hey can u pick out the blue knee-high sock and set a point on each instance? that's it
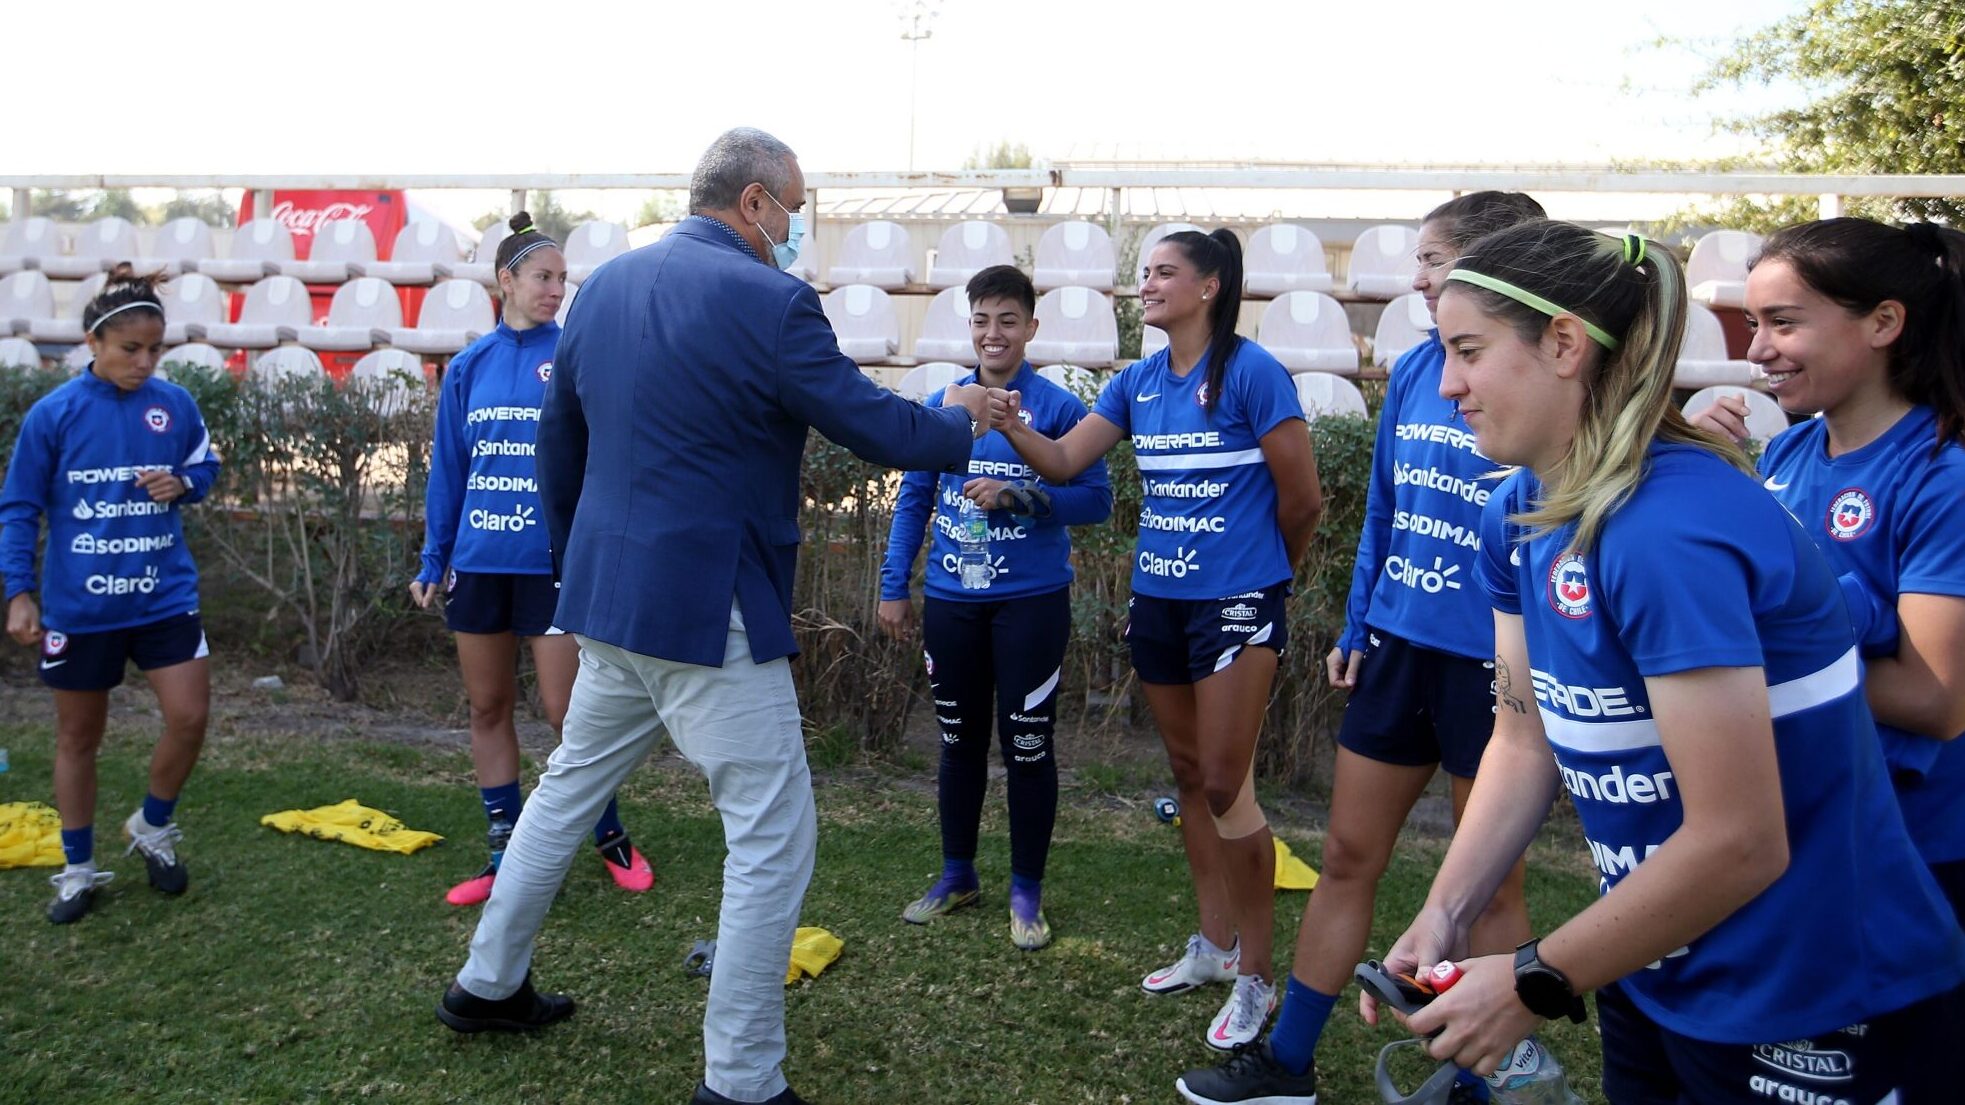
(78, 846)
(502, 803)
(157, 811)
(609, 824)
(1294, 1039)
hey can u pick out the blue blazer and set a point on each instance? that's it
(674, 425)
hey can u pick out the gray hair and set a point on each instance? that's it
(737, 158)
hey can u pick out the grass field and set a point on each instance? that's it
(302, 971)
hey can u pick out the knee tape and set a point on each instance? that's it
(1244, 818)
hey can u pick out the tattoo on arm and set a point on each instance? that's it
(1504, 686)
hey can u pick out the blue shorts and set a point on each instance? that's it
(1907, 1052)
(96, 661)
(500, 602)
(1416, 706)
(1181, 641)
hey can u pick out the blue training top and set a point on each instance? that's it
(115, 557)
(1028, 555)
(1701, 569)
(1892, 514)
(1414, 575)
(481, 512)
(1207, 519)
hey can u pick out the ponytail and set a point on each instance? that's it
(124, 296)
(1218, 255)
(522, 241)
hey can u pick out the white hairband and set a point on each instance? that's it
(513, 264)
(157, 307)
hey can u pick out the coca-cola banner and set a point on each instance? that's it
(302, 212)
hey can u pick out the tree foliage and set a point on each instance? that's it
(555, 221)
(1003, 155)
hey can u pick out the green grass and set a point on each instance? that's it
(302, 971)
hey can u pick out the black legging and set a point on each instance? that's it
(1015, 648)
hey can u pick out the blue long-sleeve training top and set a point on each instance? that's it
(481, 511)
(1028, 555)
(115, 558)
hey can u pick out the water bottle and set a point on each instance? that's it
(3, 761)
(1531, 1076)
(972, 546)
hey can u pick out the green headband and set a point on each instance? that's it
(1530, 299)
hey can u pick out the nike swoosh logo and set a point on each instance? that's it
(1146, 398)
(1772, 486)
(46, 664)
(1515, 556)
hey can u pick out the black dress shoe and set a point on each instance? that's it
(706, 1096)
(525, 1010)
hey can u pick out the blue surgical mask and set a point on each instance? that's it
(785, 253)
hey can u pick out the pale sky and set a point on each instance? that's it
(218, 86)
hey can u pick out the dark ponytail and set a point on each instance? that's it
(125, 296)
(1859, 264)
(523, 239)
(1219, 255)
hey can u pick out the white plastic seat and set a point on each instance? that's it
(879, 253)
(361, 316)
(1403, 324)
(1283, 258)
(26, 242)
(1081, 382)
(945, 329)
(807, 267)
(1152, 239)
(1702, 360)
(342, 251)
(1765, 418)
(423, 253)
(1323, 394)
(923, 380)
(18, 353)
(99, 247)
(258, 250)
(285, 362)
(592, 245)
(192, 305)
(483, 265)
(1383, 262)
(66, 329)
(863, 319)
(1307, 332)
(25, 298)
(566, 302)
(965, 250)
(390, 378)
(180, 245)
(1073, 254)
(1075, 326)
(454, 314)
(1152, 339)
(276, 310)
(194, 354)
(1716, 271)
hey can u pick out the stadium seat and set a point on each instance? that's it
(25, 298)
(259, 248)
(1702, 360)
(807, 267)
(1076, 326)
(180, 245)
(566, 303)
(454, 314)
(863, 318)
(1074, 254)
(342, 251)
(1404, 323)
(192, 305)
(945, 329)
(1284, 258)
(284, 362)
(424, 252)
(1383, 263)
(1152, 339)
(276, 310)
(26, 242)
(482, 267)
(1081, 382)
(1765, 418)
(361, 316)
(67, 329)
(19, 353)
(591, 245)
(1308, 332)
(391, 378)
(1717, 269)
(965, 250)
(921, 381)
(196, 355)
(99, 247)
(1152, 239)
(879, 253)
(1323, 394)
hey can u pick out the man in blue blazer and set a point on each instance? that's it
(669, 448)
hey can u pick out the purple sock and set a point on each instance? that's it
(1026, 897)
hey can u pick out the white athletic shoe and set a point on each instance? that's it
(1243, 1014)
(1195, 969)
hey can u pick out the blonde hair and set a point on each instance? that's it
(1633, 290)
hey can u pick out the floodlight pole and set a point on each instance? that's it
(917, 19)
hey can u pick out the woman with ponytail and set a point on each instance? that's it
(486, 543)
(1865, 324)
(1671, 650)
(1229, 502)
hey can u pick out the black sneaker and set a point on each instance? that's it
(75, 893)
(159, 848)
(1251, 1074)
(524, 1011)
(706, 1096)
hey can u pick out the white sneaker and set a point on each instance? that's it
(159, 849)
(75, 892)
(1243, 1014)
(1195, 969)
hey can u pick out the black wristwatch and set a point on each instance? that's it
(1543, 989)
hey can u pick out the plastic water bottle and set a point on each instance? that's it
(972, 546)
(1531, 1076)
(3, 761)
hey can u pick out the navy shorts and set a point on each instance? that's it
(1180, 641)
(96, 661)
(1901, 1057)
(1416, 706)
(500, 602)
